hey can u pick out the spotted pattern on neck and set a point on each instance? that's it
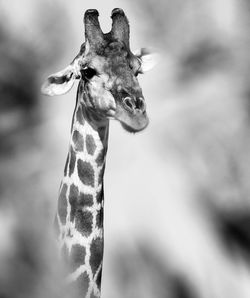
(79, 216)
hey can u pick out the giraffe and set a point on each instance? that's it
(108, 89)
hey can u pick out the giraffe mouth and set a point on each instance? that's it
(133, 129)
(131, 122)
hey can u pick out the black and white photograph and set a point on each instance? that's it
(125, 149)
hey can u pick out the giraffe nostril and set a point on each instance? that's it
(129, 104)
(140, 104)
(134, 105)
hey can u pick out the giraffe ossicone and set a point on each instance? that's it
(108, 88)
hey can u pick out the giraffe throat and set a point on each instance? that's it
(80, 205)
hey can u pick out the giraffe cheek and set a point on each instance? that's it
(109, 101)
(103, 100)
(94, 93)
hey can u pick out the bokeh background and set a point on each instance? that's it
(177, 197)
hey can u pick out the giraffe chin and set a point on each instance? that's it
(134, 129)
(133, 123)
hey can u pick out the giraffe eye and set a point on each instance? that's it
(88, 73)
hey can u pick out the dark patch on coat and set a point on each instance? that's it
(103, 134)
(96, 254)
(62, 204)
(100, 158)
(78, 141)
(77, 256)
(79, 116)
(86, 173)
(99, 218)
(78, 201)
(85, 200)
(84, 222)
(90, 144)
(72, 161)
(73, 196)
(100, 196)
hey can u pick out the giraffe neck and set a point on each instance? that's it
(80, 204)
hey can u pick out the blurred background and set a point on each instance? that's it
(177, 195)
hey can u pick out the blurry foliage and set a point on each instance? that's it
(142, 274)
(25, 52)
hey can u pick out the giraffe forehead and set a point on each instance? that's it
(114, 63)
(122, 75)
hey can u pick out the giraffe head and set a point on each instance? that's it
(107, 70)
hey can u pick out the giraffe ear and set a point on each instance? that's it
(62, 81)
(147, 58)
